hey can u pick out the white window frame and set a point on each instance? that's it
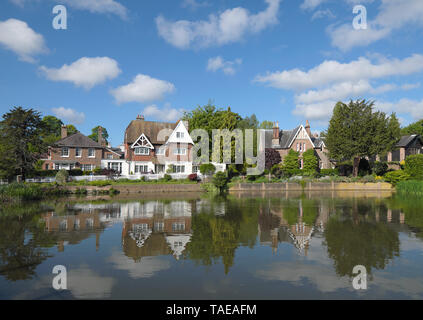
(179, 135)
(180, 151)
(161, 151)
(89, 151)
(145, 153)
(76, 152)
(63, 155)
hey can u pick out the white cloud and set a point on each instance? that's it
(85, 72)
(393, 15)
(333, 71)
(218, 63)
(71, 116)
(228, 27)
(311, 4)
(98, 6)
(142, 89)
(18, 37)
(410, 86)
(166, 114)
(322, 14)
(86, 284)
(403, 106)
(194, 4)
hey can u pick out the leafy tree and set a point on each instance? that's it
(71, 129)
(266, 125)
(249, 122)
(94, 134)
(355, 132)
(414, 128)
(62, 177)
(52, 129)
(414, 166)
(21, 144)
(310, 162)
(220, 181)
(291, 161)
(207, 169)
(272, 158)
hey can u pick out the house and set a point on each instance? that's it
(299, 139)
(77, 151)
(407, 146)
(158, 147)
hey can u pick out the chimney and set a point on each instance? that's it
(64, 132)
(100, 136)
(140, 117)
(307, 127)
(275, 140)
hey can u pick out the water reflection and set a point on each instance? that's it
(337, 233)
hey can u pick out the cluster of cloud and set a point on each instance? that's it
(93, 6)
(70, 115)
(85, 72)
(320, 88)
(392, 15)
(218, 63)
(143, 88)
(165, 114)
(17, 36)
(229, 26)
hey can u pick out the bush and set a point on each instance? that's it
(345, 168)
(329, 172)
(412, 187)
(167, 177)
(368, 178)
(193, 177)
(311, 163)
(62, 177)
(277, 171)
(395, 177)
(220, 181)
(380, 168)
(100, 183)
(414, 166)
(208, 169)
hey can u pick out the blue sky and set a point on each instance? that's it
(284, 60)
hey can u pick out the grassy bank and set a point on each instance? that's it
(127, 182)
(410, 188)
(28, 192)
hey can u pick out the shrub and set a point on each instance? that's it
(345, 168)
(220, 181)
(272, 157)
(329, 172)
(170, 169)
(368, 178)
(277, 171)
(395, 177)
(76, 172)
(414, 166)
(311, 162)
(62, 177)
(193, 177)
(208, 169)
(100, 183)
(380, 168)
(412, 187)
(167, 177)
(291, 161)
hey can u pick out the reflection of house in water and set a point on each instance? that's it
(72, 229)
(275, 225)
(156, 228)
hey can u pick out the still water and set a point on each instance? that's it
(270, 246)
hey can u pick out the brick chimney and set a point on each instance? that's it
(275, 140)
(64, 132)
(100, 136)
(307, 127)
(140, 117)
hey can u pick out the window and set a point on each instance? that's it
(180, 151)
(57, 167)
(116, 166)
(178, 169)
(65, 152)
(195, 169)
(161, 151)
(298, 147)
(86, 167)
(142, 151)
(159, 226)
(110, 156)
(141, 169)
(179, 135)
(304, 147)
(178, 226)
(91, 153)
(78, 152)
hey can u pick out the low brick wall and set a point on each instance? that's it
(312, 186)
(142, 188)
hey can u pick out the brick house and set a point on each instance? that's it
(407, 146)
(77, 151)
(154, 147)
(299, 139)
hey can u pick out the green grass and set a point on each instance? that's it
(410, 188)
(28, 191)
(127, 182)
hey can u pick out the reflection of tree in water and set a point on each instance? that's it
(23, 244)
(412, 207)
(359, 242)
(216, 237)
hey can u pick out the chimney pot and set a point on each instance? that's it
(64, 132)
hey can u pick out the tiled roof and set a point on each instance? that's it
(78, 140)
(406, 140)
(151, 130)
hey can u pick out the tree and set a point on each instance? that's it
(21, 144)
(207, 169)
(310, 162)
(272, 158)
(355, 132)
(71, 129)
(52, 129)
(94, 134)
(414, 128)
(220, 181)
(291, 161)
(266, 125)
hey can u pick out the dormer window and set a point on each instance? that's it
(139, 151)
(179, 135)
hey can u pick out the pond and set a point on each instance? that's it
(265, 246)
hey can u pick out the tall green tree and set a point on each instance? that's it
(71, 129)
(52, 129)
(20, 140)
(414, 128)
(291, 161)
(357, 131)
(94, 134)
(266, 125)
(310, 162)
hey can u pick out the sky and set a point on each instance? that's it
(282, 60)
